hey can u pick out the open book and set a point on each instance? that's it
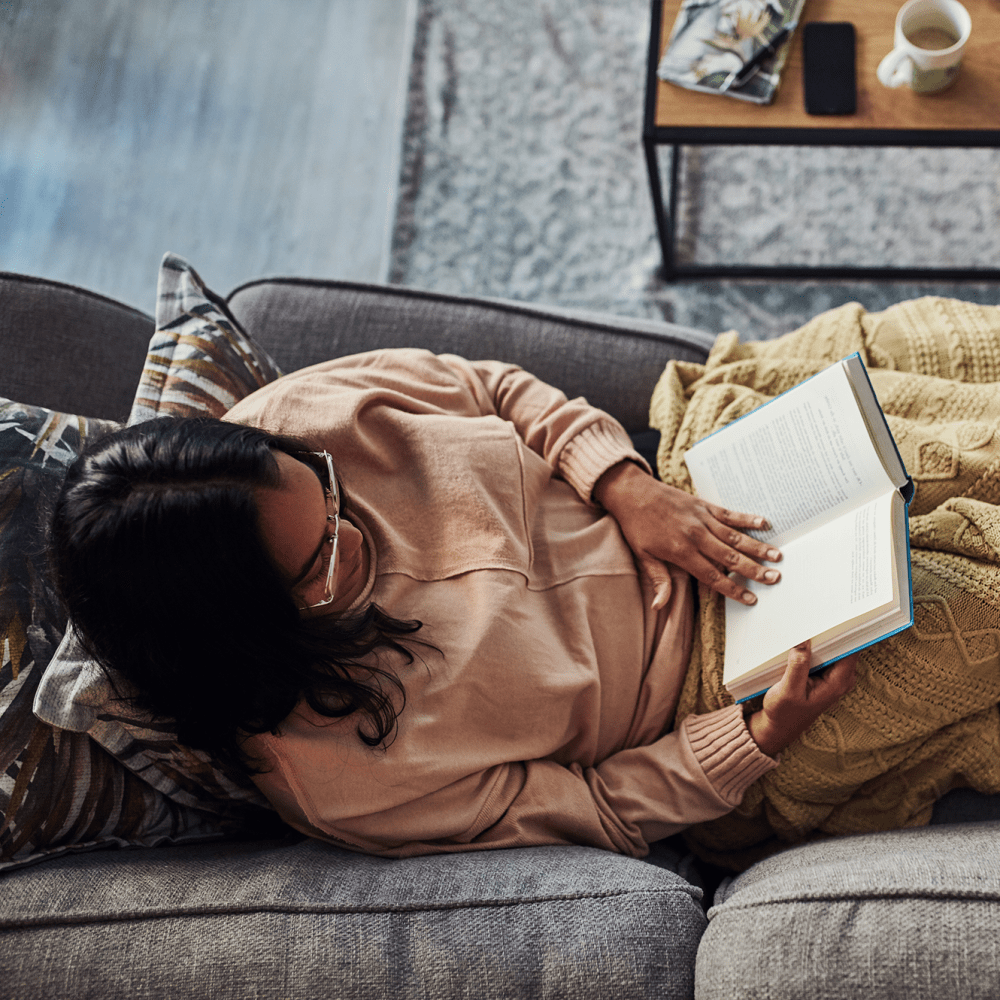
(819, 462)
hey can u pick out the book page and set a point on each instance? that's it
(874, 419)
(842, 571)
(800, 459)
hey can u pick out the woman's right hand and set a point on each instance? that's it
(793, 704)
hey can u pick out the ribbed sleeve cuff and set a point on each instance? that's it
(592, 452)
(724, 747)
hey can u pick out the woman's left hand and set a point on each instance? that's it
(793, 704)
(664, 524)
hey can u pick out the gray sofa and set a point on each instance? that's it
(911, 914)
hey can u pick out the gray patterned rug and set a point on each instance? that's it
(524, 178)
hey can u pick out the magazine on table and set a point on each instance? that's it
(820, 462)
(733, 47)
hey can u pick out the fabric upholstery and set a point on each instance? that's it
(274, 920)
(911, 913)
(58, 790)
(875, 916)
(68, 349)
(613, 361)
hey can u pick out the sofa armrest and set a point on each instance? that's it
(613, 361)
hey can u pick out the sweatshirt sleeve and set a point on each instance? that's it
(623, 804)
(578, 440)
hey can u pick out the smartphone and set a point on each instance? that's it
(828, 56)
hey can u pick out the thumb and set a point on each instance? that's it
(659, 577)
(799, 664)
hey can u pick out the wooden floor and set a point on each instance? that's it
(254, 137)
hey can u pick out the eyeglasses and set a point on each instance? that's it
(332, 493)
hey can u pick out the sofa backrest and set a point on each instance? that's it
(69, 349)
(78, 352)
(613, 361)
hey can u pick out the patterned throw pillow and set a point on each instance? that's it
(59, 791)
(200, 362)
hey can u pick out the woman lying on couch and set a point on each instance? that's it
(265, 588)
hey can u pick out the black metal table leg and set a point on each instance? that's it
(665, 223)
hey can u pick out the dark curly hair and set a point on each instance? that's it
(158, 558)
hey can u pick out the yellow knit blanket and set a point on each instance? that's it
(923, 716)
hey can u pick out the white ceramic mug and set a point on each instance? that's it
(930, 39)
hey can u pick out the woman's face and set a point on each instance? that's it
(295, 530)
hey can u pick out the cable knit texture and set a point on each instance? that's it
(923, 716)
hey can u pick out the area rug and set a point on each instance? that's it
(523, 178)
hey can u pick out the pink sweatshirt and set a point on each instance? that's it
(546, 720)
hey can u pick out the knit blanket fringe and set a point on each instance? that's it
(922, 718)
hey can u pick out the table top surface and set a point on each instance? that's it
(972, 103)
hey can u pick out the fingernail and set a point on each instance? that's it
(762, 524)
(771, 575)
(748, 598)
(773, 554)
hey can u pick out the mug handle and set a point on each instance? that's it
(891, 71)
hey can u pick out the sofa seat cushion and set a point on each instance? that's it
(910, 913)
(301, 919)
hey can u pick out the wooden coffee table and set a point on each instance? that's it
(967, 114)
